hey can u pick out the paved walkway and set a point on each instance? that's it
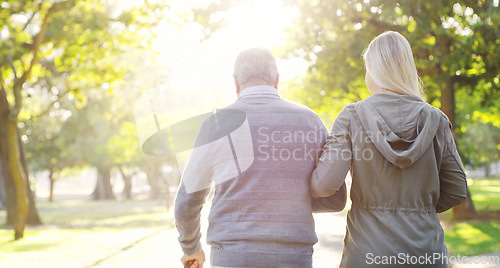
(162, 249)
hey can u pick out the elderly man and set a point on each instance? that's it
(260, 152)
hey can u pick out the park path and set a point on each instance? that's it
(162, 250)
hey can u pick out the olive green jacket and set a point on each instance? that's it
(405, 169)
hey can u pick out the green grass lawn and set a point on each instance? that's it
(110, 213)
(482, 236)
(79, 233)
(70, 247)
(475, 238)
(485, 194)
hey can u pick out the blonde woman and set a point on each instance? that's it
(403, 161)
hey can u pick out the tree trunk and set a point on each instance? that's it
(487, 170)
(51, 189)
(127, 185)
(465, 210)
(33, 218)
(3, 201)
(10, 195)
(448, 101)
(103, 188)
(153, 190)
(19, 180)
(159, 186)
(19, 195)
(10, 198)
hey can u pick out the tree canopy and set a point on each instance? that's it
(71, 70)
(55, 58)
(455, 45)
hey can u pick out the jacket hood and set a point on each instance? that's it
(401, 127)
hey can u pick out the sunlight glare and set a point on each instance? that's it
(258, 25)
(200, 69)
(206, 66)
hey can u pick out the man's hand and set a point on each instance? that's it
(198, 258)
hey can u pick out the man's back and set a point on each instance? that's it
(262, 216)
(260, 152)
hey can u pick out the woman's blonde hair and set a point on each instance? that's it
(389, 61)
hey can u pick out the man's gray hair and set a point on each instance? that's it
(255, 63)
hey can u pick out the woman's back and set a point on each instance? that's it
(404, 165)
(398, 143)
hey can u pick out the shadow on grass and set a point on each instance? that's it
(32, 246)
(8, 243)
(473, 238)
(476, 236)
(87, 214)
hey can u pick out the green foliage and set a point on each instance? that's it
(77, 102)
(446, 37)
(479, 144)
(205, 16)
(478, 134)
(455, 45)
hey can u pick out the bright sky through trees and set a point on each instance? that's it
(207, 65)
(200, 68)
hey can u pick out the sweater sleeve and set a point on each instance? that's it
(192, 192)
(187, 218)
(335, 161)
(452, 179)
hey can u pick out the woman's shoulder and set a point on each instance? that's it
(368, 105)
(444, 121)
(443, 117)
(350, 107)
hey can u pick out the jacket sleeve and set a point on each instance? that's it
(333, 203)
(335, 161)
(452, 179)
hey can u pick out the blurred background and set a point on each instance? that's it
(75, 187)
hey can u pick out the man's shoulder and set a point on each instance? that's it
(235, 105)
(279, 105)
(306, 112)
(299, 107)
